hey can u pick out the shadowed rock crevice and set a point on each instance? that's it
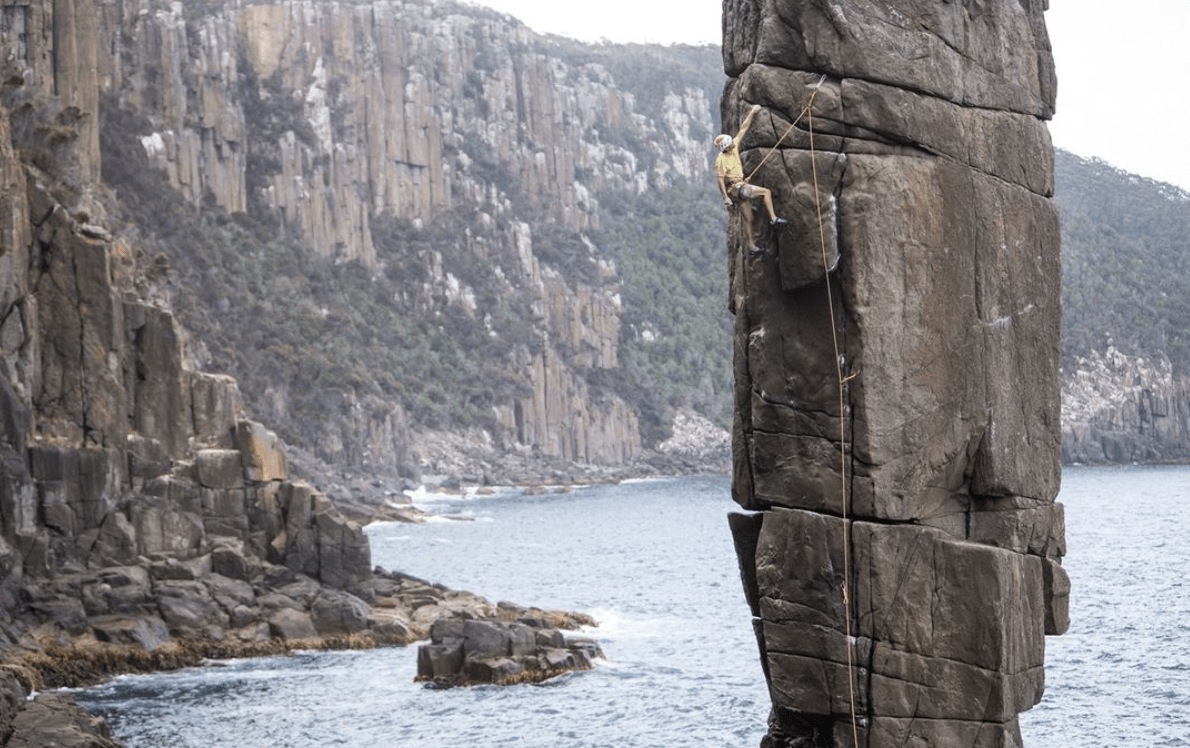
(934, 173)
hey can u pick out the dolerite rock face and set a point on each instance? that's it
(1118, 408)
(139, 507)
(52, 719)
(897, 413)
(331, 119)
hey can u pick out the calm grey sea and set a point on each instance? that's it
(1121, 675)
(653, 561)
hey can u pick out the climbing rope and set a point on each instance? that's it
(804, 113)
(842, 380)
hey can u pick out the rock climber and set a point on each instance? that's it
(732, 184)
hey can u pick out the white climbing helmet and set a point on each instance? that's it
(723, 142)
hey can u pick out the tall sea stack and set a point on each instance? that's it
(897, 432)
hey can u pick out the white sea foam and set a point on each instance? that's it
(424, 495)
(458, 519)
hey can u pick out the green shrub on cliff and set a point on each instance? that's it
(675, 332)
(297, 329)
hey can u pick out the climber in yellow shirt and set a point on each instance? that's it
(732, 184)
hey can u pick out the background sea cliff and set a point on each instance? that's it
(426, 240)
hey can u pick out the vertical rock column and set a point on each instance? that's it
(897, 431)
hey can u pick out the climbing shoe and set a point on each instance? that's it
(778, 223)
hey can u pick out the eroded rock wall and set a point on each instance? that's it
(326, 116)
(1118, 408)
(145, 521)
(897, 366)
(132, 487)
(329, 114)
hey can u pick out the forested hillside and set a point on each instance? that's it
(1125, 262)
(1126, 316)
(676, 336)
(268, 309)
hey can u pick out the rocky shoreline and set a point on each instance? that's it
(451, 462)
(499, 643)
(149, 523)
(233, 553)
(287, 577)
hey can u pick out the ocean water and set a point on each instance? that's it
(1121, 674)
(653, 562)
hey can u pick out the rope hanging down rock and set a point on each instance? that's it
(842, 380)
(804, 113)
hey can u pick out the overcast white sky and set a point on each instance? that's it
(1122, 94)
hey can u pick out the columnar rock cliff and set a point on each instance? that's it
(328, 119)
(138, 502)
(145, 521)
(392, 104)
(1118, 408)
(897, 429)
(331, 114)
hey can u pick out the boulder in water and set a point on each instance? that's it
(466, 652)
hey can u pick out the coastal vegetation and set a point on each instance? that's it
(268, 309)
(1125, 263)
(676, 336)
(307, 333)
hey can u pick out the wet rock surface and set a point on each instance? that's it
(898, 368)
(47, 720)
